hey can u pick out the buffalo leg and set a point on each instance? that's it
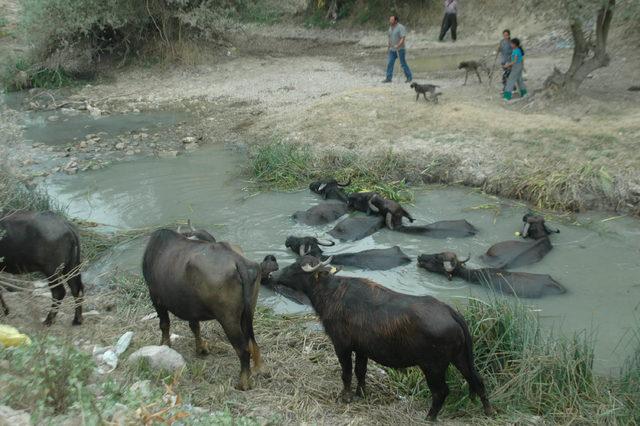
(77, 290)
(478, 74)
(361, 374)
(476, 384)
(255, 355)
(4, 305)
(435, 376)
(417, 96)
(344, 356)
(165, 324)
(57, 293)
(201, 345)
(240, 343)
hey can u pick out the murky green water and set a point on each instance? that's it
(598, 263)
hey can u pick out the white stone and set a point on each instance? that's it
(11, 417)
(159, 357)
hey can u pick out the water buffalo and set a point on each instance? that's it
(357, 228)
(199, 281)
(518, 284)
(322, 214)
(374, 259)
(43, 242)
(330, 189)
(442, 229)
(391, 211)
(511, 254)
(268, 266)
(361, 201)
(393, 329)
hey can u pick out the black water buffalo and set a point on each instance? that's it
(373, 259)
(361, 201)
(357, 228)
(43, 242)
(519, 284)
(393, 329)
(322, 214)
(442, 229)
(307, 245)
(391, 211)
(199, 281)
(330, 189)
(511, 254)
(268, 266)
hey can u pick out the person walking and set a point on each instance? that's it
(450, 20)
(516, 67)
(396, 49)
(505, 50)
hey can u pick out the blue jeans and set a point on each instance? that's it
(392, 61)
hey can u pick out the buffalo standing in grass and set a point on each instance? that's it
(43, 242)
(393, 329)
(520, 284)
(200, 280)
(511, 254)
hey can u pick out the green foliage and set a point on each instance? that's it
(528, 371)
(14, 195)
(288, 166)
(46, 377)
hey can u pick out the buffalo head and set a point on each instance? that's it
(535, 227)
(195, 234)
(446, 263)
(307, 245)
(268, 266)
(303, 273)
(322, 186)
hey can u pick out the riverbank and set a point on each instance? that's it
(320, 90)
(532, 378)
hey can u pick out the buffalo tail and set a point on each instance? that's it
(475, 381)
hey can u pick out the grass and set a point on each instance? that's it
(19, 74)
(285, 166)
(533, 373)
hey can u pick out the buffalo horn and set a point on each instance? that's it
(462, 262)
(304, 250)
(190, 225)
(321, 187)
(525, 229)
(326, 262)
(372, 207)
(179, 231)
(325, 243)
(309, 268)
(345, 184)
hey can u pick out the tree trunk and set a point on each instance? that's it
(587, 56)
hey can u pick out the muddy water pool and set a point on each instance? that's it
(598, 261)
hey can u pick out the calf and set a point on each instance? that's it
(393, 329)
(43, 242)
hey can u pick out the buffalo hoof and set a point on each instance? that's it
(47, 322)
(202, 348)
(243, 385)
(361, 393)
(346, 396)
(77, 321)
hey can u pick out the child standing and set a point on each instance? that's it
(505, 50)
(516, 67)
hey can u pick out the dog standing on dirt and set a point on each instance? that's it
(422, 89)
(474, 66)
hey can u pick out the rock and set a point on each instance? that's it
(120, 146)
(53, 118)
(11, 417)
(168, 154)
(129, 152)
(83, 145)
(191, 146)
(189, 139)
(159, 357)
(50, 149)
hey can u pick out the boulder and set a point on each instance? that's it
(11, 417)
(159, 357)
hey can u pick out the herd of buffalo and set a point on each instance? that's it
(196, 278)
